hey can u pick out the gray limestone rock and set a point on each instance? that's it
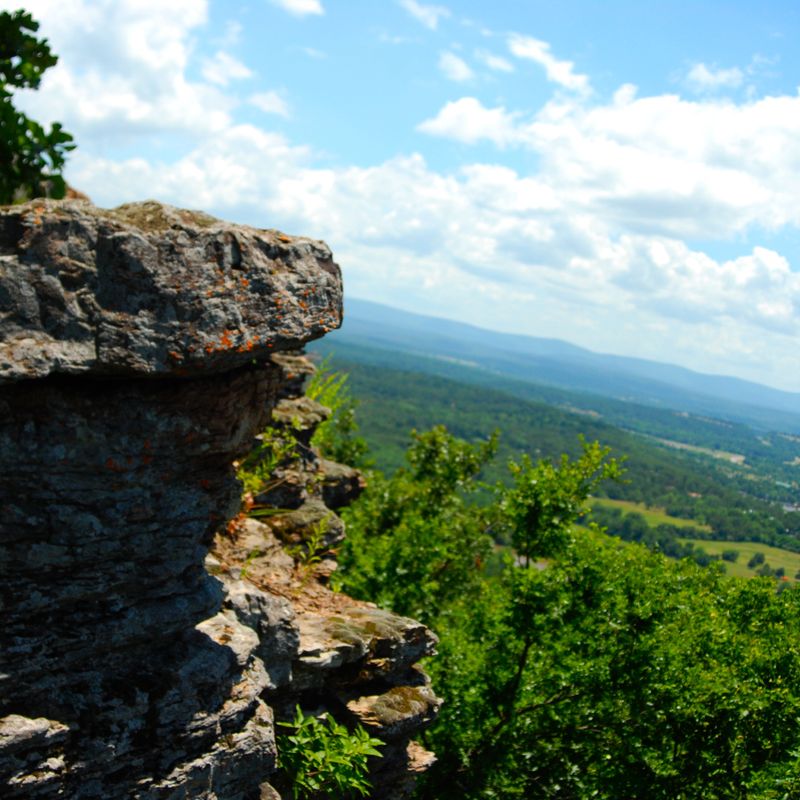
(140, 354)
(147, 289)
(134, 370)
(376, 643)
(273, 618)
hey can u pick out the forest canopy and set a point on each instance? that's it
(573, 664)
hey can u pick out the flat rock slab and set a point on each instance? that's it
(386, 642)
(397, 713)
(147, 289)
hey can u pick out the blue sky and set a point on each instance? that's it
(620, 175)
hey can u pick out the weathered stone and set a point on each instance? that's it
(295, 369)
(273, 619)
(301, 415)
(137, 363)
(249, 549)
(133, 357)
(341, 484)
(312, 522)
(377, 643)
(146, 289)
(396, 713)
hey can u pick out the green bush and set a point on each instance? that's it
(578, 666)
(322, 758)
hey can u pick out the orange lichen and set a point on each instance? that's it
(232, 528)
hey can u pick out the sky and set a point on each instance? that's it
(621, 175)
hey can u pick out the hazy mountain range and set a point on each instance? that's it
(554, 362)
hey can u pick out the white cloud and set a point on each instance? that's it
(453, 67)
(270, 102)
(222, 68)
(701, 78)
(560, 72)
(494, 62)
(300, 8)
(468, 120)
(655, 164)
(122, 70)
(429, 16)
(598, 243)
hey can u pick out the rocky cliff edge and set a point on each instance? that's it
(141, 351)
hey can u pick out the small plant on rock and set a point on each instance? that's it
(256, 470)
(337, 438)
(322, 758)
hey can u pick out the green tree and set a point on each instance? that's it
(616, 673)
(31, 158)
(547, 498)
(417, 541)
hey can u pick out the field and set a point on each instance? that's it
(734, 458)
(653, 516)
(775, 557)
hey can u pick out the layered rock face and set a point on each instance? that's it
(136, 365)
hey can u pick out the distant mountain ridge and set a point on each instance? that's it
(558, 363)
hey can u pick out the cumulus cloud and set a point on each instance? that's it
(658, 164)
(453, 67)
(123, 69)
(222, 68)
(468, 120)
(701, 78)
(429, 16)
(557, 71)
(300, 8)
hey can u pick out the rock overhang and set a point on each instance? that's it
(148, 290)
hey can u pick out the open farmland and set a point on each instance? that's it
(774, 556)
(653, 516)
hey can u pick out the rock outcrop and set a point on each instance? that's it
(137, 363)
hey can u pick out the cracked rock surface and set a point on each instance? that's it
(337, 655)
(134, 369)
(141, 351)
(147, 289)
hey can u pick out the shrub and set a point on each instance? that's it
(324, 759)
